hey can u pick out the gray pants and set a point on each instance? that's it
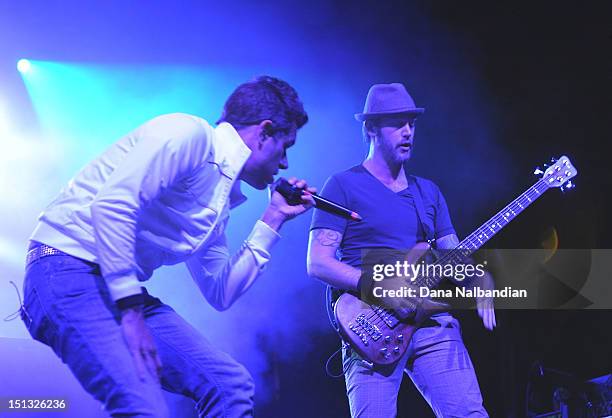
(438, 364)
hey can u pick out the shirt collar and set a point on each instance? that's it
(231, 153)
(236, 197)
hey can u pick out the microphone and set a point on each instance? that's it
(293, 196)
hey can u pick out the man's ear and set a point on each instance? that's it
(371, 129)
(265, 129)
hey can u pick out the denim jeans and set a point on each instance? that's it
(438, 364)
(67, 307)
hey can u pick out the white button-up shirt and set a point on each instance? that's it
(159, 196)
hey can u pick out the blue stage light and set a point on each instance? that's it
(23, 65)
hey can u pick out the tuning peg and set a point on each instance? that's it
(553, 160)
(567, 186)
(538, 171)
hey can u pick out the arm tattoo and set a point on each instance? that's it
(327, 237)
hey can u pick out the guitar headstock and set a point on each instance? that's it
(559, 173)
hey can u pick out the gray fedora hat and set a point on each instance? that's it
(387, 99)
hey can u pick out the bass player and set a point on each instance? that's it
(379, 190)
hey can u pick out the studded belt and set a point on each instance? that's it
(39, 251)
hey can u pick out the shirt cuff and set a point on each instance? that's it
(123, 286)
(263, 236)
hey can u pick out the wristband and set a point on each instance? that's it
(365, 284)
(131, 301)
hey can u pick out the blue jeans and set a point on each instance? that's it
(438, 364)
(67, 307)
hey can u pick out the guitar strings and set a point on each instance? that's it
(522, 201)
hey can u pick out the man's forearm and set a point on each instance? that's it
(223, 278)
(336, 273)
(322, 263)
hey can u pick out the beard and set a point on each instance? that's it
(394, 154)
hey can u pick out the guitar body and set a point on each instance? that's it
(377, 334)
(384, 345)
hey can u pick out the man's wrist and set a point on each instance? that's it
(273, 219)
(132, 314)
(365, 284)
(132, 302)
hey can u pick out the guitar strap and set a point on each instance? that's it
(417, 196)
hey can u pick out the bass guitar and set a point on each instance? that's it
(381, 335)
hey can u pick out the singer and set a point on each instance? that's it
(387, 198)
(161, 195)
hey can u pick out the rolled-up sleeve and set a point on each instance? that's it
(222, 278)
(164, 150)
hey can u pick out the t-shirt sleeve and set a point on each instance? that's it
(443, 224)
(332, 190)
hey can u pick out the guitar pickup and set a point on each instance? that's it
(388, 318)
(372, 330)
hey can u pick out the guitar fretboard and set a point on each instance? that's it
(485, 232)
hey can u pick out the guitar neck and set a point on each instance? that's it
(502, 218)
(486, 231)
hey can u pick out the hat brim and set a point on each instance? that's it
(373, 115)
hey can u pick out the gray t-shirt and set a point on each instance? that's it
(390, 219)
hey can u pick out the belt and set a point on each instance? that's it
(39, 251)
